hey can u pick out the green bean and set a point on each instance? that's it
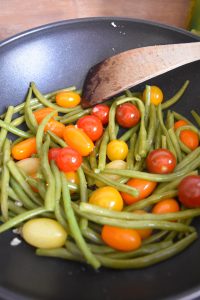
(119, 186)
(83, 195)
(152, 126)
(156, 237)
(18, 121)
(154, 198)
(75, 117)
(164, 187)
(47, 103)
(38, 185)
(164, 130)
(21, 218)
(128, 133)
(93, 155)
(175, 144)
(150, 259)
(27, 202)
(171, 236)
(130, 156)
(40, 131)
(178, 132)
(102, 150)
(100, 211)
(15, 209)
(155, 177)
(144, 250)
(111, 124)
(164, 142)
(49, 201)
(176, 97)
(15, 172)
(29, 116)
(188, 159)
(170, 120)
(74, 229)
(147, 103)
(59, 253)
(158, 137)
(196, 116)
(178, 117)
(139, 165)
(5, 177)
(56, 139)
(15, 130)
(100, 249)
(91, 235)
(69, 114)
(154, 224)
(7, 120)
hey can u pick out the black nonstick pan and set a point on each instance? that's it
(59, 55)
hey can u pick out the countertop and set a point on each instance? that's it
(17, 15)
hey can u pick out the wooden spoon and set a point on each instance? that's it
(129, 68)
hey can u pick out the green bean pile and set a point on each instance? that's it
(82, 220)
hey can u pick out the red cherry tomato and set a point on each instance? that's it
(92, 126)
(127, 115)
(53, 153)
(160, 161)
(101, 111)
(68, 160)
(189, 191)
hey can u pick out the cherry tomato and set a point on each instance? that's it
(190, 139)
(78, 140)
(146, 232)
(160, 161)
(72, 177)
(107, 197)
(68, 159)
(24, 149)
(101, 111)
(40, 114)
(156, 95)
(68, 99)
(144, 187)
(180, 123)
(56, 127)
(189, 191)
(127, 115)
(53, 153)
(121, 238)
(117, 150)
(92, 126)
(166, 206)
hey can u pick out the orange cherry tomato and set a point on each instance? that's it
(72, 177)
(180, 123)
(56, 127)
(146, 232)
(145, 188)
(190, 139)
(24, 149)
(156, 95)
(166, 206)
(107, 197)
(78, 140)
(40, 114)
(121, 238)
(68, 99)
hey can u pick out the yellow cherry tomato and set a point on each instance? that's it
(156, 95)
(68, 99)
(117, 150)
(72, 177)
(107, 197)
(44, 233)
(77, 139)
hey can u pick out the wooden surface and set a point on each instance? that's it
(19, 15)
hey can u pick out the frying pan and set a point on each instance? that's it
(59, 55)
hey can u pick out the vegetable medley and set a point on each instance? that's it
(115, 185)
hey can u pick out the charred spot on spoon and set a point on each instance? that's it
(92, 81)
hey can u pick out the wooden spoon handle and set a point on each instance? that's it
(132, 67)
